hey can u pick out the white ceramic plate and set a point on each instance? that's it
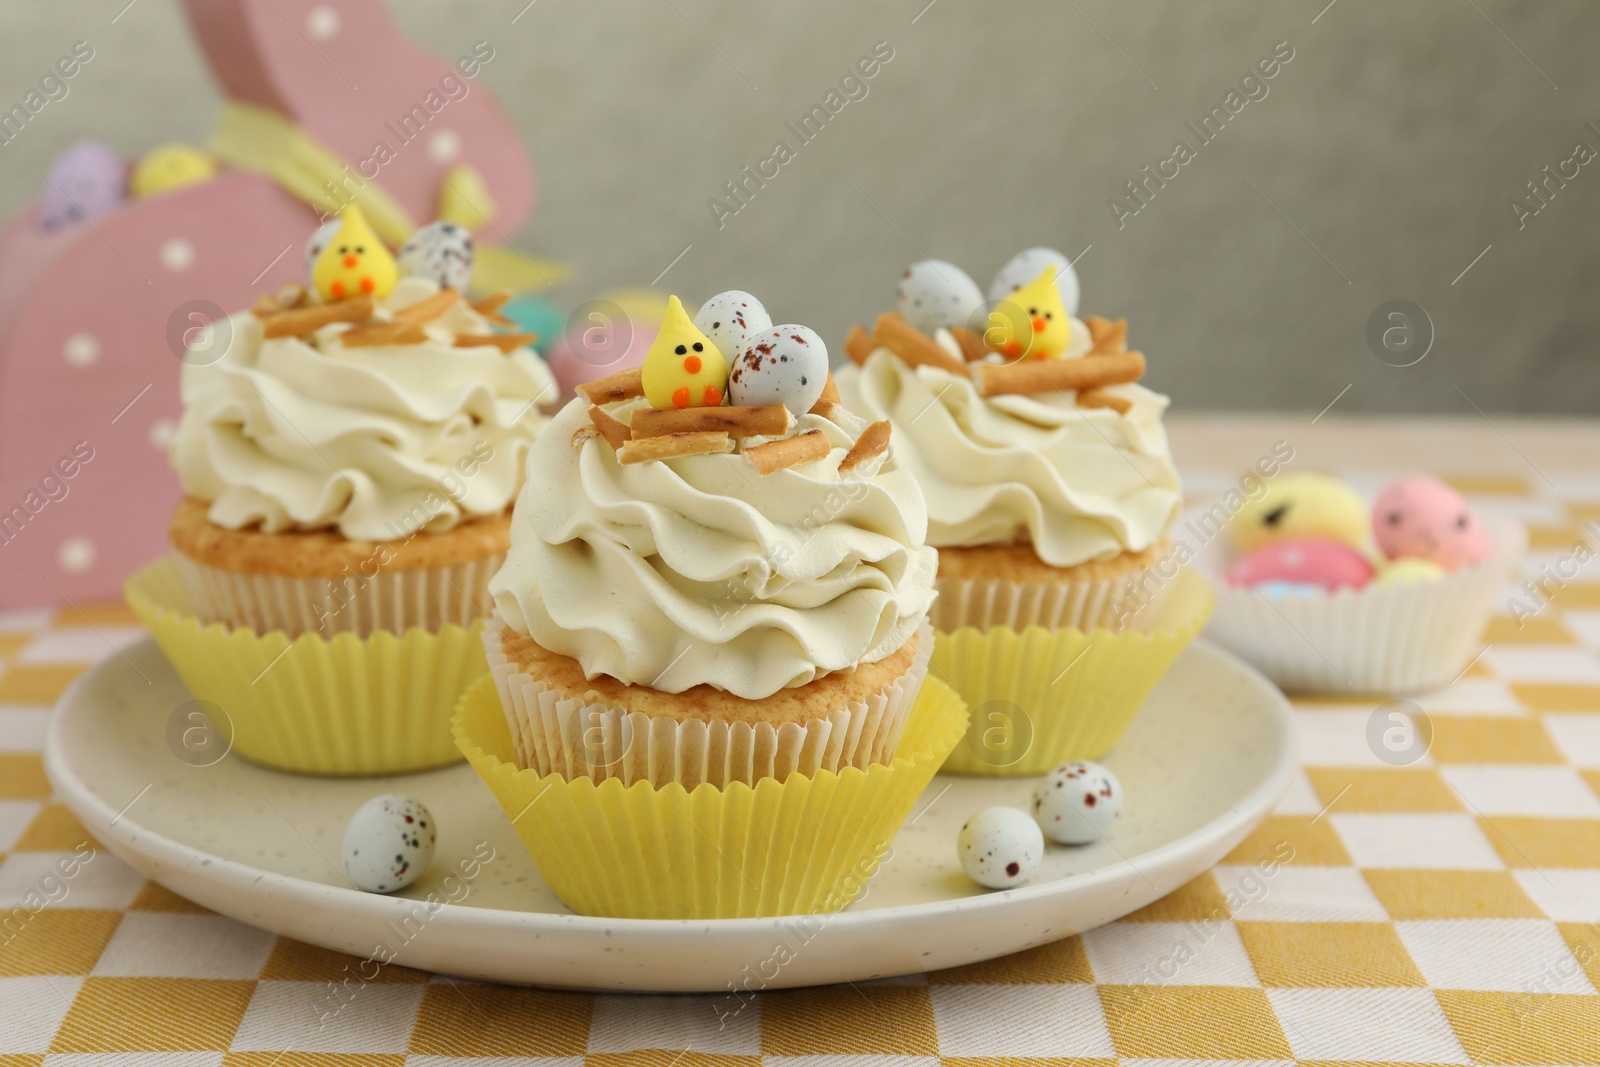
(1206, 759)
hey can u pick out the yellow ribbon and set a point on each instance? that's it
(264, 142)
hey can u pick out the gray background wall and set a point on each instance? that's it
(1377, 167)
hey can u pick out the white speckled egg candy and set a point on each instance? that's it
(1024, 267)
(785, 365)
(730, 319)
(388, 843)
(440, 252)
(934, 293)
(1077, 802)
(319, 241)
(1000, 847)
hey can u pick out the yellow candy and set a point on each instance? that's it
(169, 167)
(355, 263)
(464, 198)
(1409, 570)
(683, 369)
(1299, 506)
(1032, 323)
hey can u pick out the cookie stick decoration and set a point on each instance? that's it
(683, 368)
(355, 261)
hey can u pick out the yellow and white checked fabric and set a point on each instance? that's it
(1447, 912)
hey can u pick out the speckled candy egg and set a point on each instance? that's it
(934, 293)
(1000, 847)
(1312, 561)
(389, 843)
(1024, 267)
(1077, 802)
(319, 241)
(1422, 517)
(86, 180)
(729, 320)
(785, 365)
(441, 252)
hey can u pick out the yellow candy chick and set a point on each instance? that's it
(1301, 505)
(683, 369)
(1031, 323)
(355, 263)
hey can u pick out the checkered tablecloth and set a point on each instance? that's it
(1443, 912)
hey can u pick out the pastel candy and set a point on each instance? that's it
(1410, 571)
(536, 316)
(169, 167)
(441, 252)
(1422, 517)
(785, 365)
(1312, 561)
(1301, 505)
(730, 319)
(85, 181)
(1025, 266)
(587, 353)
(934, 294)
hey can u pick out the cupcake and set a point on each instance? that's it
(717, 591)
(349, 463)
(1051, 493)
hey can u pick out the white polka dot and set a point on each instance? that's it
(162, 431)
(177, 255)
(81, 349)
(445, 146)
(76, 555)
(322, 23)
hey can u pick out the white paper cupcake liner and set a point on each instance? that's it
(554, 731)
(1378, 639)
(391, 600)
(1101, 604)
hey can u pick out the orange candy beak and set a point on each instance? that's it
(351, 261)
(1038, 325)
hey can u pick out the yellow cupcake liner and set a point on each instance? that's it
(802, 846)
(344, 705)
(1040, 697)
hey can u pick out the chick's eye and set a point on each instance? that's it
(1462, 522)
(1033, 311)
(698, 347)
(343, 249)
(1048, 316)
(1394, 518)
(1275, 516)
(680, 350)
(361, 250)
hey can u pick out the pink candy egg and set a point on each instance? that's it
(1310, 561)
(589, 353)
(1423, 518)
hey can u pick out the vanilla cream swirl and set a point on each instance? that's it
(700, 569)
(379, 443)
(1079, 484)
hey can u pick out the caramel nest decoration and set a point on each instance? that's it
(667, 433)
(1108, 363)
(289, 312)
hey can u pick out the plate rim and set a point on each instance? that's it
(101, 820)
